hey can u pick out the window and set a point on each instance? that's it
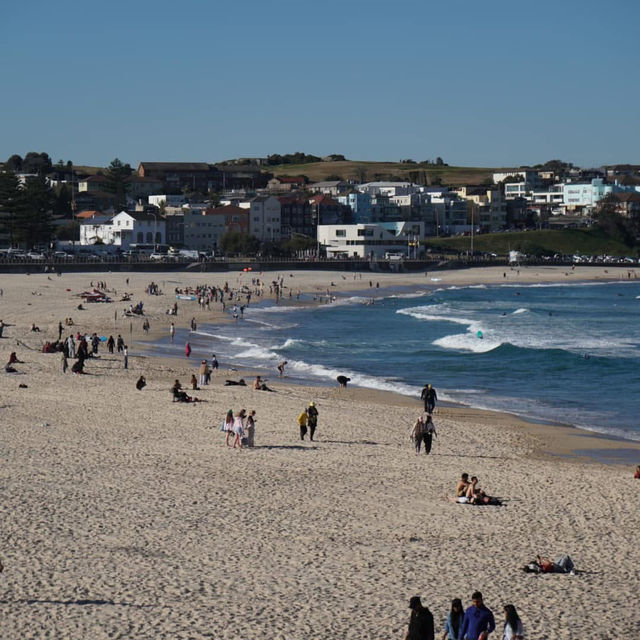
(341, 233)
(139, 237)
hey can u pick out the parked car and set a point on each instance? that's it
(35, 255)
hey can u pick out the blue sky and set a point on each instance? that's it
(488, 83)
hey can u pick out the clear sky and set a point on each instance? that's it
(485, 83)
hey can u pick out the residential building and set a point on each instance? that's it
(528, 176)
(234, 177)
(284, 184)
(360, 204)
(264, 218)
(368, 240)
(141, 186)
(487, 207)
(169, 200)
(330, 187)
(386, 188)
(92, 183)
(296, 216)
(195, 176)
(326, 210)
(124, 229)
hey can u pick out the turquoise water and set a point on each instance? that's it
(562, 353)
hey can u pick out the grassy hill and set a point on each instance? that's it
(566, 241)
(369, 171)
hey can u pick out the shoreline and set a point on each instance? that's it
(564, 440)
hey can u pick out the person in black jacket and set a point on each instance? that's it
(429, 396)
(420, 622)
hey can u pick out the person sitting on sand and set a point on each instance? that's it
(141, 384)
(260, 385)
(34, 328)
(180, 395)
(13, 358)
(462, 486)
(476, 495)
(233, 383)
(194, 382)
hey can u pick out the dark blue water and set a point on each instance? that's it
(564, 353)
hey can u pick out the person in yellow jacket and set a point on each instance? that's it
(302, 422)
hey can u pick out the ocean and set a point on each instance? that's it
(566, 354)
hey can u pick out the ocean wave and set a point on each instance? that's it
(521, 310)
(407, 296)
(467, 342)
(435, 312)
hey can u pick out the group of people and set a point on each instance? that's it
(422, 432)
(469, 492)
(476, 623)
(242, 427)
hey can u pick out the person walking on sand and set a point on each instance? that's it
(120, 343)
(453, 625)
(417, 433)
(187, 349)
(312, 419)
(430, 397)
(513, 629)
(111, 343)
(59, 331)
(420, 621)
(125, 356)
(172, 331)
(429, 432)
(302, 423)
(214, 362)
(65, 364)
(478, 620)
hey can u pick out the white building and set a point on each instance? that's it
(365, 240)
(264, 218)
(124, 229)
(391, 189)
(169, 200)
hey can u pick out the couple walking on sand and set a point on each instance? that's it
(422, 432)
(308, 417)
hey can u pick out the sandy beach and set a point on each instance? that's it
(125, 516)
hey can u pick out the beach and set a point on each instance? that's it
(124, 515)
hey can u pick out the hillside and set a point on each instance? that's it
(566, 241)
(369, 171)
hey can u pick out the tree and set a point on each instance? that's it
(33, 210)
(62, 207)
(608, 218)
(236, 242)
(439, 161)
(14, 163)
(116, 176)
(39, 163)
(9, 192)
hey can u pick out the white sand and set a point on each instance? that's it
(126, 517)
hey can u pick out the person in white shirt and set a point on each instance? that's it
(512, 624)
